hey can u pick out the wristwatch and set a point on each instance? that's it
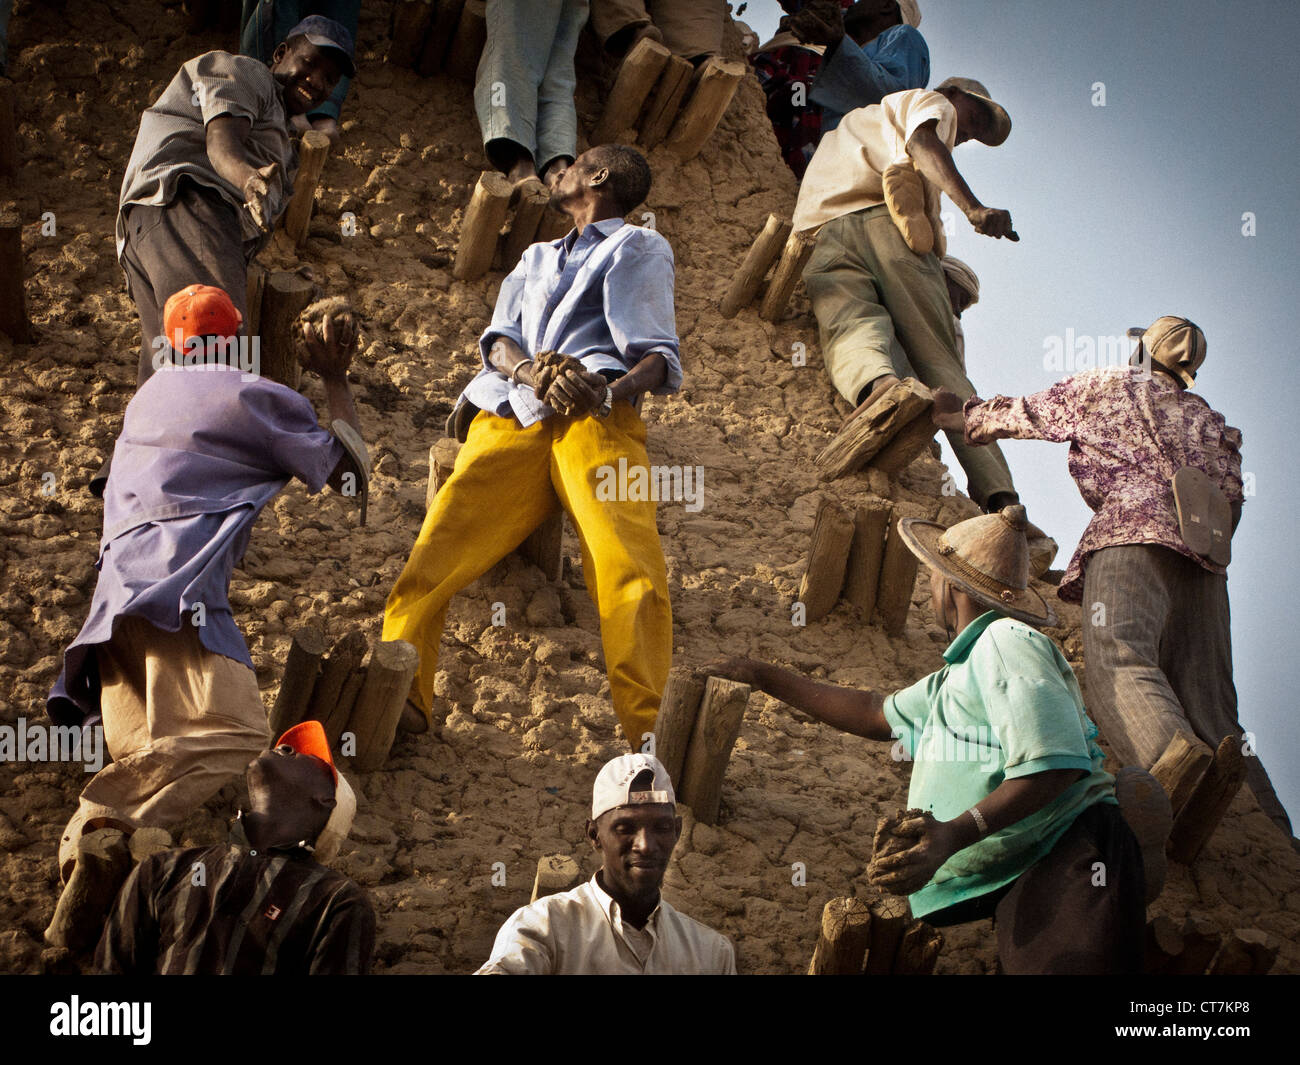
(606, 404)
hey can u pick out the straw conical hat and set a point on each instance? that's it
(986, 557)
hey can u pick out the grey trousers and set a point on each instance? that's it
(1158, 654)
(523, 91)
(193, 240)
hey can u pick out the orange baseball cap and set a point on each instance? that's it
(308, 737)
(199, 311)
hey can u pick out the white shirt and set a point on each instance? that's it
(582, 932)
(844, 174)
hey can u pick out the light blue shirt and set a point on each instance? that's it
(861, 75)
(605, 297)
(202, 451)
(1006, 704)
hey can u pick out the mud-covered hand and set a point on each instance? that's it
(992, 222)
(547, 366)
(257, 194)
(918, 847)
(329, 343)
(576, 392)
(947, 410)
(818, 22)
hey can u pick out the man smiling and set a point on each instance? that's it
(212, 170)
(616, 923)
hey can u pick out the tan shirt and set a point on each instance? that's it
(582, 932)
(844, 173)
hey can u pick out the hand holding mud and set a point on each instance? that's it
(329, 334)
(560, 382)
(257, 189)
(908, 851)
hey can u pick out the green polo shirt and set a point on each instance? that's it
(1005, 705)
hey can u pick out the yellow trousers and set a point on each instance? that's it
(507, 480)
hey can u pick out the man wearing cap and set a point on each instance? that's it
(616, 923)
(204, 447)
(1010, 809)
(831, 57)
(1156, 626)
(263, 24)
(213, 166)
(265, 905)
(583, 327)
(871, 193)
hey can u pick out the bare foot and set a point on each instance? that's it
(522, 170)
(878, 387)
(555, 173)
(647, 32)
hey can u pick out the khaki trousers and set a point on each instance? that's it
(691, 28)
(179, 722)
(507, 480)
(868, 289)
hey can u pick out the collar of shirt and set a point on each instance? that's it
(610, 907)
(961, 646)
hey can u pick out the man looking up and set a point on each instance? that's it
(583, 326)
(263, 906)
(617, 923)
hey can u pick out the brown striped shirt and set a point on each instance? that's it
(228, 910)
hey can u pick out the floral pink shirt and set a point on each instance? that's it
(1129, 433)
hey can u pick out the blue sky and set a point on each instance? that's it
(1133, 210)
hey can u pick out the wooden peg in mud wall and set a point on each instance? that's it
(722, 710)
(843, 938)
(380, 701)
(407, 29)
(482, 225)
(678, 709)
(636, 78)
(311, 161)
(715, 86)
(325, 705)
(798, 247)
(666, 101)
(301, 668)
(468, 41)
(828, 555)
(897, 579)
(555, 873)
(758, 260)
(285, 297)
(531, 206)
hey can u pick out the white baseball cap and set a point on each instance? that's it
(614, 783)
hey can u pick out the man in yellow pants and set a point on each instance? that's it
(583, 325)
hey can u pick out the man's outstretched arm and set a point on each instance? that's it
(934, 161)
(852, 710)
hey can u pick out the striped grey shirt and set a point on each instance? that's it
(172, 141)
(228, 910)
